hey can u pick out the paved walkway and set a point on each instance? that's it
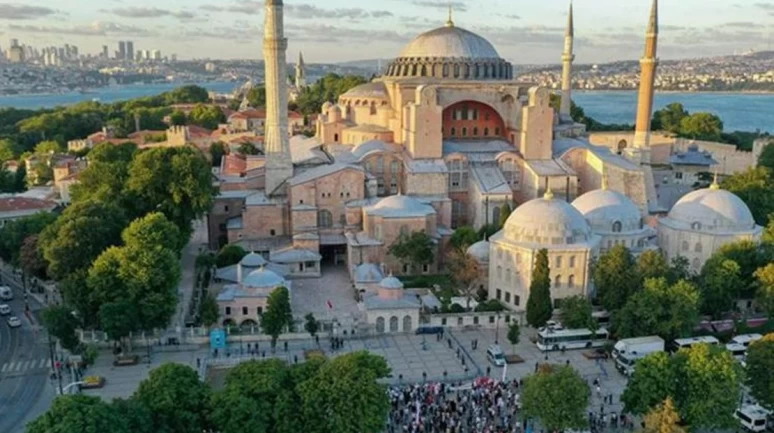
(313, 294)
(197, 244)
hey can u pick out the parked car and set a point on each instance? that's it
(14, 322)
(6, 294)
(5, 310)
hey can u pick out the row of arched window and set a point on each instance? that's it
(500, 70)
(474, 132)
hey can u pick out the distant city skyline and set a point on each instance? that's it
(334, 31)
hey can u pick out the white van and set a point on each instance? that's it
(6, 294)
(495, 355)
(753, 417)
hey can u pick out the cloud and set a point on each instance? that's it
(765, 6)
(137, 12)
(743, 25)
(97, 28)
(307, 11)
(455, 5)
(24, 12)
(242, 7)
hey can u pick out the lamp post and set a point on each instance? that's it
(497, 329)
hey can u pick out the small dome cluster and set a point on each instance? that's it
(712, 209)
(609, 211)
(547, 221)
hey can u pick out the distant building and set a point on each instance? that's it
(13, 207)
(122, 50)
(129, 50)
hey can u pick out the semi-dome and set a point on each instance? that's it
(712, 209)
(609, 211)
(263, 279)
(450, 42)
(253, 260)
(374, 90)
(479, 251)
(397, 206)
(391, 283)
(547, 221)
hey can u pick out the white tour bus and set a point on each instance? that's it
(686, 343)
(745, 339)
(552, 339)
(737, 350)
(753, 418)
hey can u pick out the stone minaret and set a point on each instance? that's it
(567, 58)
(648, 65)
(279, 166)
(300, 72)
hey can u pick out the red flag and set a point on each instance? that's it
(330, 305)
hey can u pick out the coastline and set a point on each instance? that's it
(692, 92)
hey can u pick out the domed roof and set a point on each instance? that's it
(712, 209)
(391, 283)
(603, 208)
(374, 89)
(480, 251)
(253, 260)
(547, 221)
(396, 206)
(263, 278)
(450, 42)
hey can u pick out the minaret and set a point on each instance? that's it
(567, 58)
(300, 72)
(648, 65)
(279, 166)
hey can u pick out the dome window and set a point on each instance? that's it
(698, 248)
(617, 227)
(696, 225)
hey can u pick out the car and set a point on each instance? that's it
(6, 294)
(495, 355)
(14, 322)
(429, 330)
(5, 310)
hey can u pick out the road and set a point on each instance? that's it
(196, 245)
(24, 364)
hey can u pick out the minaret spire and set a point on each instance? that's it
(300, 72)
(450, 21)
(567, 58)
(279, 166)
(648, 65)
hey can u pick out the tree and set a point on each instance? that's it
(138, 418)
(229, 255)
(720, 285)
(153, 231)
(465, 271)
(766, 159)
(768, 232)
(670, 118)
(13, 234)
(186, 95)
(463, 237)
(60, 322)
(680, 269)
(217, 150)
(701, 126)
(178, 118)
(79, 235)
(539, 307)
(207, 116)
(47, 148)
(31, 258)
(652, 264)
(576, 313)
(514, 333)
(413, 249)
(765, 293)
(79, 413)
(234, 412)
(760, 370)
(505, 212)
(208, 311)
(178, 401)
(659, 309)
(311, 325)
(652, 383)
(615, 277)
(257, 97)
(749, 256)
(663, 419)
(558, 397)
(326, 399)
(756, 188)
(8, 150)
(248, 149)
(107, 172)
(278, 315)
(118, 320)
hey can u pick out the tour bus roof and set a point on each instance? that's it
(546, 332)
(746, 338)
(701, 339)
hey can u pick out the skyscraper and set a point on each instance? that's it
(122, 50)
(105, 51)
(129, 50)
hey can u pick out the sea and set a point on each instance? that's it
(739, 111)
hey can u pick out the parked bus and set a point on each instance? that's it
(745, 339)
(602, 317)
(553, 339)
(628, 351)
(686, 343)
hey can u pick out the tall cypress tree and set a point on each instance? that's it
(539, 308)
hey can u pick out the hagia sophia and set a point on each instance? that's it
(444, 138)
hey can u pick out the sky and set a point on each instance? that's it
(522, 31)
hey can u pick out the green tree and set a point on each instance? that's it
(31, 258)
(701, 126)
(539, 308)
(653, 382)
(217, 150)
(153, 231)
(514, 333)
(615, 277)
(248, 149)
(463, 237)
(79, 235)
(768, 232)
(138, 418)
(234, 412)
(178, 118)
(749, 256)
(311, 325)
(326, 399)
(118, 320)
(756, 188)
(505, 212)
(652, 264)
(766, 159)
(466, 271)
(178, 401)
(186, 95)
(208, 311)
(278, 315)
(659, 309)
(8, 150)
(108, 171)
(558, 397)
(720, 285)
(229, 255)
(13, 234)
(760, 370)
(79, 413)
(670, 118)
(62, 324)
(47, 147)
(207, 116)
(576, 313)
(663, 419)
(765, 292)
(257, 97)
(415, 249)
(680, 269)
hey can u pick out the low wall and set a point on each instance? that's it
(486, 320)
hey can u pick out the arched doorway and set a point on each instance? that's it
(394, 324)
(621, 146)
(380, 325)
(471, 119)
(248, 324)
(407, 323)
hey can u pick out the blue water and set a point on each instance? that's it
(739, 111)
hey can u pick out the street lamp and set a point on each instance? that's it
(497, 329)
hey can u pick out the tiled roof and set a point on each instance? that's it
(16, 204)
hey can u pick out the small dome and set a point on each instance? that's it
(263, 279)
(547, 221)
(391, 283)
(609, 211)
(253, 260)
(396, 206)
(450, 42)
(326, 106)
(712, 209)
(480, 251)
(375, 89)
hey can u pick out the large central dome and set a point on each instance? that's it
(450, 42)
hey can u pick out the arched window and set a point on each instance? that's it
(695, 264)
(685, 246)
(423, 72)
(373, 108)
(486, 132)
(475, 131)
(324, 218)
(404, 230)
(394, 167)
(572, 261)
(453, 131)
(698, 248)
(696, 225)
(508, 275)
(456, 71)
(558, 282)
(617, 226)
(571, 281)
(478, 70)
(335, 138)
(445, 70)
(497, 130)
(464, 131)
